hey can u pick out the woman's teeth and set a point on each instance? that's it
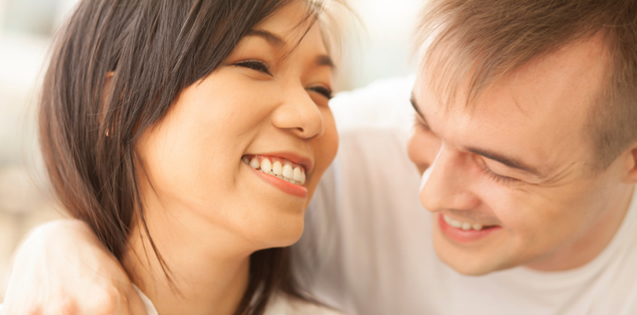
(285, 171)
(462, 225)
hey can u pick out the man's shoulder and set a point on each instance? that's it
(381, 104)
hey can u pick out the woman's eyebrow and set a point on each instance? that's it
(325, 60)
(277, 41)
(270, 37)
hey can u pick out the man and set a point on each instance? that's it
(528, 112)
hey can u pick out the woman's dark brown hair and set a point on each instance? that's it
(116, 68)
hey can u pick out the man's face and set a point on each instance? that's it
(512, 182)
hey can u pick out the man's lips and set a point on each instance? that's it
(465, 234)
(466, 224)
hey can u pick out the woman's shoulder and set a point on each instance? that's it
(283, 304)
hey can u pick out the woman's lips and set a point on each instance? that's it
(280, 173)
(277, 167)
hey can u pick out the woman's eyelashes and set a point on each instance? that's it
(323, 91)
(256, 65)
(263, 67)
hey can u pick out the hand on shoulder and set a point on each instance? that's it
(62, 268)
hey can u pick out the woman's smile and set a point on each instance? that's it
(279, 167)
(282, 173)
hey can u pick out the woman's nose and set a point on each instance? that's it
(299, 115)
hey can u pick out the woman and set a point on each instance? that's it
(190, 136)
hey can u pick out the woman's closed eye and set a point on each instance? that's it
(256, 65)
(322, 90)
(263, 67)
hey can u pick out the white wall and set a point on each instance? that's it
(23, 204)
(382, 47)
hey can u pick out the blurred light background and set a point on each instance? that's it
(377, 46)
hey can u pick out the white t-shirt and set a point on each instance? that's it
(279, 305)
(367, 247)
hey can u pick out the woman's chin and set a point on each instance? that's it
(282, 236)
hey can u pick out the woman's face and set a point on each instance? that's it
(242, 150)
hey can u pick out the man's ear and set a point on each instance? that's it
(631, 165)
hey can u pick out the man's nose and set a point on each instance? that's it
(447, 186)
(422, 148)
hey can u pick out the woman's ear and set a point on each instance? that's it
(105, 91)
(631, 165)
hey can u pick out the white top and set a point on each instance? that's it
(280, 305)
(367, 247)
(150, 308)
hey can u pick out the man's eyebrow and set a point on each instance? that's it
(412, 100)
(508, 161)
(270, 37)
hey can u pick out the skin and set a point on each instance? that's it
(206, 209)
(198, 191)
(558, 219)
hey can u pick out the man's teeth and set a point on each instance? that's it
(287, 172)
(462, 225)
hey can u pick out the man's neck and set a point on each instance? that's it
(592, 243)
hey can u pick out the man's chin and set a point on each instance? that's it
(470, 264)
(468, 269)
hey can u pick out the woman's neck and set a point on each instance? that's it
(209, 275)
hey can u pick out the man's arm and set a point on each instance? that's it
(62, 268)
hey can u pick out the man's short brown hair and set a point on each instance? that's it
(482, 40)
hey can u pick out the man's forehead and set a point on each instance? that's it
(585, 59)
(534, 115)
(483, 146)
